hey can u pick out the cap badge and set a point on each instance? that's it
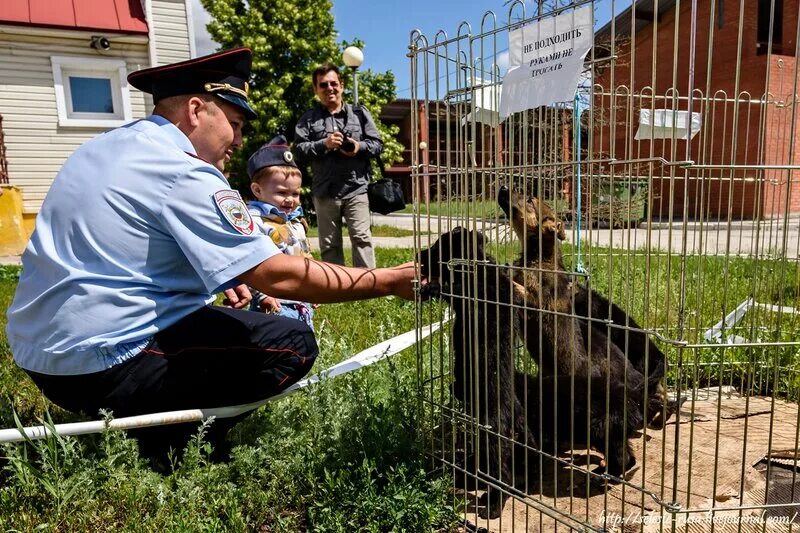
(232, 207)
(226, 88)
(288, 156)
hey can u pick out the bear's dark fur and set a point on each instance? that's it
(643, 354)
(568, 348)
(535, 223)
(564, 414)
(480, 295)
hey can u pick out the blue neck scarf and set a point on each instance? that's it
(268, 210)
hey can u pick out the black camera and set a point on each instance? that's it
(348, 145)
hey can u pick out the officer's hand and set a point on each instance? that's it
(334, 140)
(356, 148)
(402, 285)
(237, 297)
(270, 305)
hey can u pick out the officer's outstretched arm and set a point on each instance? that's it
(305, 279)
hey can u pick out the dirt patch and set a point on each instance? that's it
(727, 451)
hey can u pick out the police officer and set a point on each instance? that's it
(138, 232)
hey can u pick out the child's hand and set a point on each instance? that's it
(315, 306)
(270, 305)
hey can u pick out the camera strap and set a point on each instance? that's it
(358, 111)
(354, 111)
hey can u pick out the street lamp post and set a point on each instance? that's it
(353, 57)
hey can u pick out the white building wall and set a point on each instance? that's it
(171, 28)
(36, 145)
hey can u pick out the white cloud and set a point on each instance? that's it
(202, 39)
(502, 62)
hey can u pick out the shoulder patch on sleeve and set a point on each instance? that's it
(232, 207)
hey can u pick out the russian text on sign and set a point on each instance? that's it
(546, 60)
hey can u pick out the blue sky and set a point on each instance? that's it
(385, 26)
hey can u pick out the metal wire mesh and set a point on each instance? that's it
(695, 239)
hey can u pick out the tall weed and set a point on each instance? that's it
(339, 456)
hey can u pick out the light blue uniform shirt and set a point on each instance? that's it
(128, 241)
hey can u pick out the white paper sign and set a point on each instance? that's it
(667, 124)
(546, 60)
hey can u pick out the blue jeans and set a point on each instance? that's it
(298, 311)
(290, 309)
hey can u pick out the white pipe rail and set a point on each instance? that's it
(714, 333)
(367, 357)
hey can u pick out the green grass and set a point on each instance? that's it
(347, 455)
(378, 230)
(482, 209)
(342, 456)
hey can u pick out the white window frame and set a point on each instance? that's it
(114, 70)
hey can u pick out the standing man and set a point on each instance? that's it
(138, 232)
(339, 140)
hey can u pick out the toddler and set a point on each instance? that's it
(275, 182)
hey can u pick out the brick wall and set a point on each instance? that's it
(781, 141)
(731, 134)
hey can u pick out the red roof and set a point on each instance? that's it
(126, 16)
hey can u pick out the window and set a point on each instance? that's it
(91, 92)
(765, 8)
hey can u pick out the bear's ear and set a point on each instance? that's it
(555, 227)
(550, 226)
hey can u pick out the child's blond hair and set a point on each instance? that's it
(266, 172)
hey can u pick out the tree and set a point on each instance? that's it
(375, 90)
(289, 38)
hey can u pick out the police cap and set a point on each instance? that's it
(275, 153)
(223, 74)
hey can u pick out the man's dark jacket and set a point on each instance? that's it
(336, 175)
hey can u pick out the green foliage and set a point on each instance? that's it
(375, 90)
(348, 453)
(9, 273)
(455, 208)
(289, 38)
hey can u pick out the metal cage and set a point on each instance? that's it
(695, 238)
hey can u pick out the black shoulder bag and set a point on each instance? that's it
(385, 195)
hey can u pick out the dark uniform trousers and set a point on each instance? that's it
(214, 357)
